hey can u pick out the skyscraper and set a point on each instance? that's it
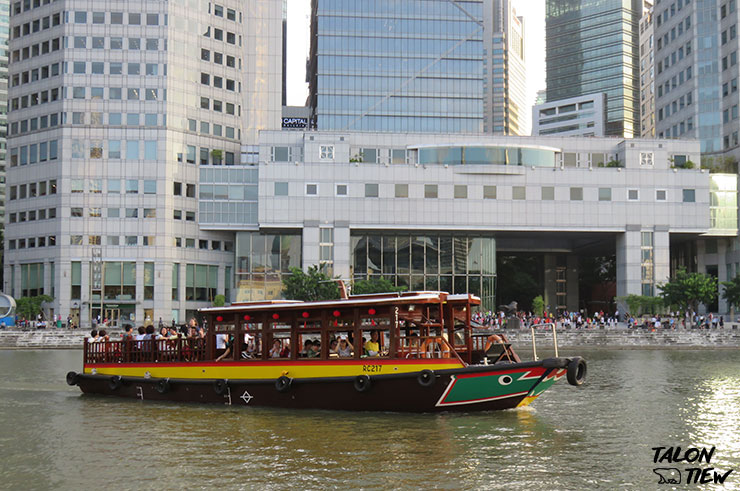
(125, 121)
(592, 46)
(647, 75)
(433, 66)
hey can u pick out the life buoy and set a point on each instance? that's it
(115, 382)
(577, 369)
(283, 383)
(220, 386)
(426, 378)
(493, 338)
(162, 386)
(362, 383)
(73, 378)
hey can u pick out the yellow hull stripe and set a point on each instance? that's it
(267, 371)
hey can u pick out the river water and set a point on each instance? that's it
(598, 436)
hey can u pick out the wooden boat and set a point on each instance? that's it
(411, 352)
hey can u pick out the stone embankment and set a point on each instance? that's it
(618, 338)
(623, 338)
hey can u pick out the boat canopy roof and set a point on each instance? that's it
(402, 298)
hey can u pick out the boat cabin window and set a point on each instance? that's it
(280, 340)
(225, 331)
(341, 344)
(251, 348)
(310, 344)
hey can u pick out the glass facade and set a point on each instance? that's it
(261, 262)
(723, 203)
(228, 195)
(487, 156)
(452, 263)
(593, 46)
(411, 66)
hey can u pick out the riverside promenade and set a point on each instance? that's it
(611, 338)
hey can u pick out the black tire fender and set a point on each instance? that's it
(426, 378)
(115, 382)
(577, 370)
(220, 386)
(362, 383)
(162, 386)
(73, 378)
(283, 383)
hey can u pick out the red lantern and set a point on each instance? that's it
(371, 311)
(305, 315)
(336, 313)
(219, 318)
(246, 318)
(276, 316)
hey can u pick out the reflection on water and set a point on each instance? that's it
(598, 436)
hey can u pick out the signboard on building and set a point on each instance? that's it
(295, 122)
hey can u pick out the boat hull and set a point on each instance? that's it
(420, 389)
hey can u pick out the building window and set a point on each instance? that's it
(646, 158)
(548, 193)
(633, 194)
(341, 190)
(431, 191)
(518, 193)
(576, 194)
(371, 190)
(461, 191)
(660, 195)
(402, 191)
(326, 152)
(605, 194)
(689, 195)
(489, 192)
(312, 189)
(281, 189)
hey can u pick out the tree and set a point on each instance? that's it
(688, 290)
(732, 291)
(538, 305)
(219, 301)
(313, 285)
(375, 285)
(30, 307)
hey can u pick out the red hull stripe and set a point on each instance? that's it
(368, 361)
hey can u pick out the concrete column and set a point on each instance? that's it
(722, 274)
(85, 305)
(310, 244)
(342, 252)
(163, 291)
(629, 274)
(571, 281)
(140, 319)
(63, 281)
(661, 255)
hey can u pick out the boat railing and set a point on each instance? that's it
(146, 351)
(533, 329)
(495, 346)
(425, 347)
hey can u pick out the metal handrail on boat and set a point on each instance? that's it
(554, 338)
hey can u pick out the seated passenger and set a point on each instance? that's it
(128, 335)
(277, 348)
(285, 353)
(103, 336)
(333, 344)
(372, 347)
(345, 347)
(94, 338)
(229, 345)
(307, 346)
(314, 350)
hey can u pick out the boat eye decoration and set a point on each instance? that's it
(505, 380)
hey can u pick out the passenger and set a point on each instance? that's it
(128, 335)
(285, 353)
(345, 347)
(163, 333)
(229, 345)
(315, 349)
(94, 338)
(103, 336)
(333, 344)
(276, 349)
(307, 347)
(372, 347)
(249, 346)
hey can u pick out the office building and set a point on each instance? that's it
(126, 126)
(592, 47)
(647, 75)
(434, 66)
(577, 116)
